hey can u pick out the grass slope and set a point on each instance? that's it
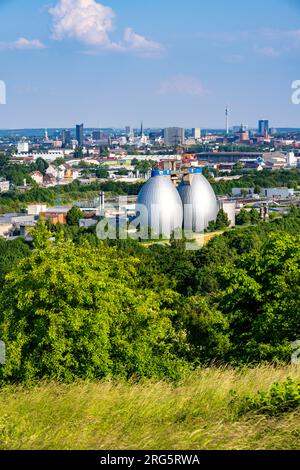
(193, 414)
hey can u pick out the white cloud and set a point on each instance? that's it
(183, 85)
(268, 51)
(140, 44)
(84, 20)
(23, 43)
(91, 23)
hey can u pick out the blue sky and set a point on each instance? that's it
(167, 62)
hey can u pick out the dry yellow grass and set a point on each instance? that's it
(193, 414)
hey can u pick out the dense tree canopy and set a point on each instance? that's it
(75, 311)
(80, 307)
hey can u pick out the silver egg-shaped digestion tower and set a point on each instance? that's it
(199, 201)
(159, 205)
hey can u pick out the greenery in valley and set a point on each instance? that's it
(18, 200)
(258, 180)
(153, 311)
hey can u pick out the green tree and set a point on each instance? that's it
(59, 161)
(77, 311)
(222, 220)
(254, 216)
(261, 300)
(41, 234)
(102, 172)
(257, 189)
(243, 217)
(41, 165)
(207, 330)
(74, 215)
(11, 252)
(294, 212)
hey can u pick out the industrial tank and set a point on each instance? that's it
(200, 204)
(159, 205)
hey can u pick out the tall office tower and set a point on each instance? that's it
(65, 137)
(128, 131)
(96, 135)
(227, 119)
(174, 136)
(196, 133)
(79, 134)
(263, 127)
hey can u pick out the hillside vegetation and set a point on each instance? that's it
(111, 344)
(199, 412)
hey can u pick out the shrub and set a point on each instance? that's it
(280, 398)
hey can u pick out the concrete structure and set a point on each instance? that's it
(23, 147)
(263, 127)
(54, 217)
(242, 192)
(159, 206)
(65, 137)
(88, 222)
(14, 224)
(4, 186)
(174, 136)
(128, 131)
(36, 209)
(229, 207)
(227, 119)
(196, 133)
(37, 177)
(79, 134)
(277, 193)
(291, 160)
(228, 157)
(199, 201)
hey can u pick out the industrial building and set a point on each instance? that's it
(199, 201)
(163, 208)
(159, 206)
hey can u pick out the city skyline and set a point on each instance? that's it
(109, 65)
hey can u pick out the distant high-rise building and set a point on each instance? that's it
(23, 147)
(196, 133)
(263, 127)
(174, 136)
(79, 134)
(96, 135)
(65, 137)
(128, 130)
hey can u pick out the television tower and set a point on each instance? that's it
(227, 119)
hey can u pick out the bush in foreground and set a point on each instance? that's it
(280, 398)
(77, 312)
